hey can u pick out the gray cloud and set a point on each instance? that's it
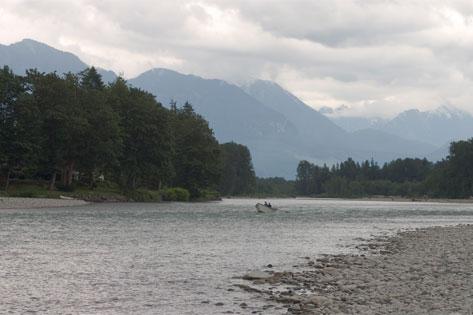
(376, 57)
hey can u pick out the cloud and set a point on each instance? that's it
(376, 57)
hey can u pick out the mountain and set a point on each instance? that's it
(309, 122)
(232, 114)
(279, 129)
(352, 124)
(29, 54)
(438, 126)
(384, 147)
(323, 140)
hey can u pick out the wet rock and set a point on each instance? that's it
(219, 304)
(257, 275)
(427, 271)
(247, 288)
(290, 299)
(318, 300)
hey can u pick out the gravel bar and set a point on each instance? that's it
(31, 203)
(425, 271)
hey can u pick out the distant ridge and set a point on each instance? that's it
(29, 54)
(437, 127)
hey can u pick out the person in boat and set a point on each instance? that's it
(269, 205)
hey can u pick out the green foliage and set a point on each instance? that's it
(274, 186)
(75, 132)
(238, 176)
(206, 195)
(19, 125)
(143, 195)
(175, 194)
(453, 177)
(145, 159)
(197, 153)
(450, 178)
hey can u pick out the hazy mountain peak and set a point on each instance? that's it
(449, 111)
(162, 71)
(28, 42)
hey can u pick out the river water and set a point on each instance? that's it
(179, 258)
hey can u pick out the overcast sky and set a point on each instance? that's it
(374, 57)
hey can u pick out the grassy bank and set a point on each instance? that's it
(104, 193)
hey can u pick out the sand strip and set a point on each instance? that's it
(31, 203)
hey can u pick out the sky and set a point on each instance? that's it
(371, 58)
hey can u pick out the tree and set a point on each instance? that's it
(146, 135)
(197, 152)
(63, 123)
(238, 176)
(18, 124)
(303, 178)
(460, 169)
(102, 139)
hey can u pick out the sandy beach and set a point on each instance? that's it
(426, 271)
(30, 203)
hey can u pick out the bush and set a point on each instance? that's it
(208, 195)
(175, 194)
(64, 188)
(143, 195)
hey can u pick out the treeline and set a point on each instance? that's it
(72, 129)
(450, 178)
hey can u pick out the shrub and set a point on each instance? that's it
(207, 194)
(64, 188)
(175, 194)
(143, 195)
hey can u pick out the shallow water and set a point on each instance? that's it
(168, 258)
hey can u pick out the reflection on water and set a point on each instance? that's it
(168, 258)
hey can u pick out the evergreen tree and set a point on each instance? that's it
(18, 125)
(102, 140)
(238, 176)
(197, 152)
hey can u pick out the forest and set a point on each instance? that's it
(419, 178)
(72, 132)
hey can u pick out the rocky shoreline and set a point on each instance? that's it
(8, 203)
(425, 271)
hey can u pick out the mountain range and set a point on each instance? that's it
(437, 127)
(279, 129)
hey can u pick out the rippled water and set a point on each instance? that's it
(168, 258)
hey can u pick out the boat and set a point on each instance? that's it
(262, 208)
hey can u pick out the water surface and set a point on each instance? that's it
(168, 258)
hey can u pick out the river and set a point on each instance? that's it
(179, 258)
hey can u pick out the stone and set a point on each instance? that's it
(257, 275)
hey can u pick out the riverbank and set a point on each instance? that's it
(425, 271)
(7, 203)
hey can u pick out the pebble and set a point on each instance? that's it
(424, 271)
